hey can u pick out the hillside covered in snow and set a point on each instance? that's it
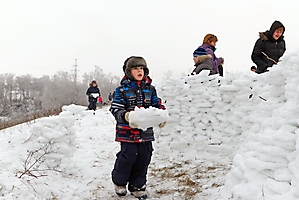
(226, 138)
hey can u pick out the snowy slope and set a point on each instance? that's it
(86, 175)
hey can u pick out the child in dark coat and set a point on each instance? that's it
(93, 94)
(269, 47)
(136, 145)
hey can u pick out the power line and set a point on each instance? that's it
(75, 71)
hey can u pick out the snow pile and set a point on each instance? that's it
(207, 111)
(267, 164)
(55, 138)
(145, 118)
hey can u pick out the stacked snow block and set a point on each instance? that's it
(254, 114)
(267, 164)
(56, 135)
(209, 109)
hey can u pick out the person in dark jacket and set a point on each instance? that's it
(269, 47)
(110, 97)
(209, 44)
(136, 145)
(93, 94)
(202, 61)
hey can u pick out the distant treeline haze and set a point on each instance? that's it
(24, 96)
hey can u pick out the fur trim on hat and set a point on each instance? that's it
(200, 59)
(264, 37)
(125, 63)
(135, 61)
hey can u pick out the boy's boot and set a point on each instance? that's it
(120, 190)
(139, 193)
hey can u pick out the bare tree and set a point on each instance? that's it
(24, 96)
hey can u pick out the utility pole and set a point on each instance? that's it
(75, 80)
(75, 71)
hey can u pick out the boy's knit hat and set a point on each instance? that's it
(135, 61)
(199, 52)
(210, 38)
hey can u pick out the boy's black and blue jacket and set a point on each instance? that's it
(127, 96)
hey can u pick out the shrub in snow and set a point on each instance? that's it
(52, 143)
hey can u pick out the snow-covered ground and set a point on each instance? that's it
(226, 138)
(86, 175)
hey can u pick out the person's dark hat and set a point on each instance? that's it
(135, 61)
(199, 52)
(275, 25)
(93, 82)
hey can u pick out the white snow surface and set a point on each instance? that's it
(226, 138)
(146, 118)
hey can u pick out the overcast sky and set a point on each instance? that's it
(45, 36)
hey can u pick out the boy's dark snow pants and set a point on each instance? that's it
(131, 165)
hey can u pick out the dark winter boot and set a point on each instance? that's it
(139, 193)
(120, 190)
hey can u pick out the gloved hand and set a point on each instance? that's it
(162, 124)
(127, 116)
(132, 125)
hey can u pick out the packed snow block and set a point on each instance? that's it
(271, 140)
(215, 99)
(200, 126)
(273, 150)
(270, 158)
(277, 187)
(200, 138)
(247, 191)
(229, 88)
(257, 164)
(173, 103)
(203, 105)
(295, 188)
(232, 131)
(283, 174)
(174, 111)
(242, 82)
(145, 118)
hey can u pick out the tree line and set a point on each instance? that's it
(24, 97)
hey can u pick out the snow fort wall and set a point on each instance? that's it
(254, 114)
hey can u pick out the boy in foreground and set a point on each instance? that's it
(132, 161)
